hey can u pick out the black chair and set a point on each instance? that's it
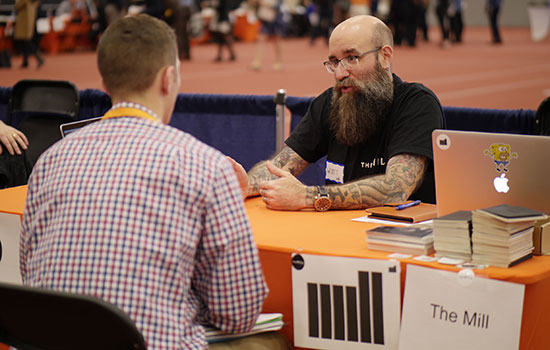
(542, 118)
(38, 107)
(41, 319)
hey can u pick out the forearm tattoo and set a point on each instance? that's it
(286, 159)
(404, 173)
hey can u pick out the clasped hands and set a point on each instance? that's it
(285, 192)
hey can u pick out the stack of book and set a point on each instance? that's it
(453, 235)
(406, 240)
(503, 235)
(264, 323)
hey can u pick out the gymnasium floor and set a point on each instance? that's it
(475, 73)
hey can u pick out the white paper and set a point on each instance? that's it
(339, 272)
(457, 311)
(10, 230)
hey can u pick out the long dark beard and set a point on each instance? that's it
(356, 116)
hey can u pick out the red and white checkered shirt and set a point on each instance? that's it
(150, 219)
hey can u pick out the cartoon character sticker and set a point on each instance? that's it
(501, 155)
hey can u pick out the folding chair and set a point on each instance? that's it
(41, 319)
(38, 107)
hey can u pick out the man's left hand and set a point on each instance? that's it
(284, 193)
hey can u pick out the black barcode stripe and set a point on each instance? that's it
(313, 310)
(326, 312)
(364, 306)
(377, 309)
(351, 313)
(338, 307)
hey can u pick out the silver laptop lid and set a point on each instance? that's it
(477, 170)
(68, 128)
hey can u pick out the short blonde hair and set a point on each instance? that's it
(132, 51)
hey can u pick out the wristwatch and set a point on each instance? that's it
(322, 201)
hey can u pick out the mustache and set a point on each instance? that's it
(348, 82)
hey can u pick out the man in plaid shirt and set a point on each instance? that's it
(140, 214)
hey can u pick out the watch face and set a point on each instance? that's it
(322, 204)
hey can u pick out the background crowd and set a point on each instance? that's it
(213, 20)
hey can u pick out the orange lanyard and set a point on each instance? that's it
(128, 112)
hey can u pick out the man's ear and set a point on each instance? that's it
(167, 79)
(385, 57)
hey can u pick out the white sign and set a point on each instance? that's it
(10, 230)
(345, 303)
(447, 310)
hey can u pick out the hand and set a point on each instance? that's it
(284, 193)
(242, 177)
(12, 139)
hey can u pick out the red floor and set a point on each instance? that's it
(474, 74)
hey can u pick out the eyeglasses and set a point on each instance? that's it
(347, 62)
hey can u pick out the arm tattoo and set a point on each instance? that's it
(286, 159)
(404, 174)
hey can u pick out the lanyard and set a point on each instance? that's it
(128, 112)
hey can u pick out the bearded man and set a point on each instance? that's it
(374, 129)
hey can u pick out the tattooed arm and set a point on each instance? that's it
(286, 159)
(404, 174)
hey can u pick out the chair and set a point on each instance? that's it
(38, 107)
(41, 319)
(542, 118)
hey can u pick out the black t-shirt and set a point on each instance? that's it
(414, 114)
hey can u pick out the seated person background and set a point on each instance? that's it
(374, 129)
(12, 139)
(140, 214)
(15, 167)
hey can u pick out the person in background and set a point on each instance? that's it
(421, 9)
(25, 22)
(457, 25)
(222, 29)
(324, 9)
(374, 128)
(77, 9)
(492, 7)
(12, 139)
(442, 12)
(403, 18)
(269, 13)
(140, 214)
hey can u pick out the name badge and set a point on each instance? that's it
(334, 172)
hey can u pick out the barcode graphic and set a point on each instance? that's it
(335, 312)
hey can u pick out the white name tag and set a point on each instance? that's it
(447, 310)
(334, 172)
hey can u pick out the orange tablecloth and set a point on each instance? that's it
(279, 234)
(12, 200)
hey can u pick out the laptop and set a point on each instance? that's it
(68, 128)
(476, 170)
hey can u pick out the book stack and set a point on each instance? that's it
(413, 240)
(453, 235)
(503, 235)
(264, 323)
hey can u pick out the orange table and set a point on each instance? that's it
(279, 234)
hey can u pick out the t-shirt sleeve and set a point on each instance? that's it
(419, 114)
(310, 137)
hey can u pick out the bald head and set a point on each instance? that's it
(363, 30)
